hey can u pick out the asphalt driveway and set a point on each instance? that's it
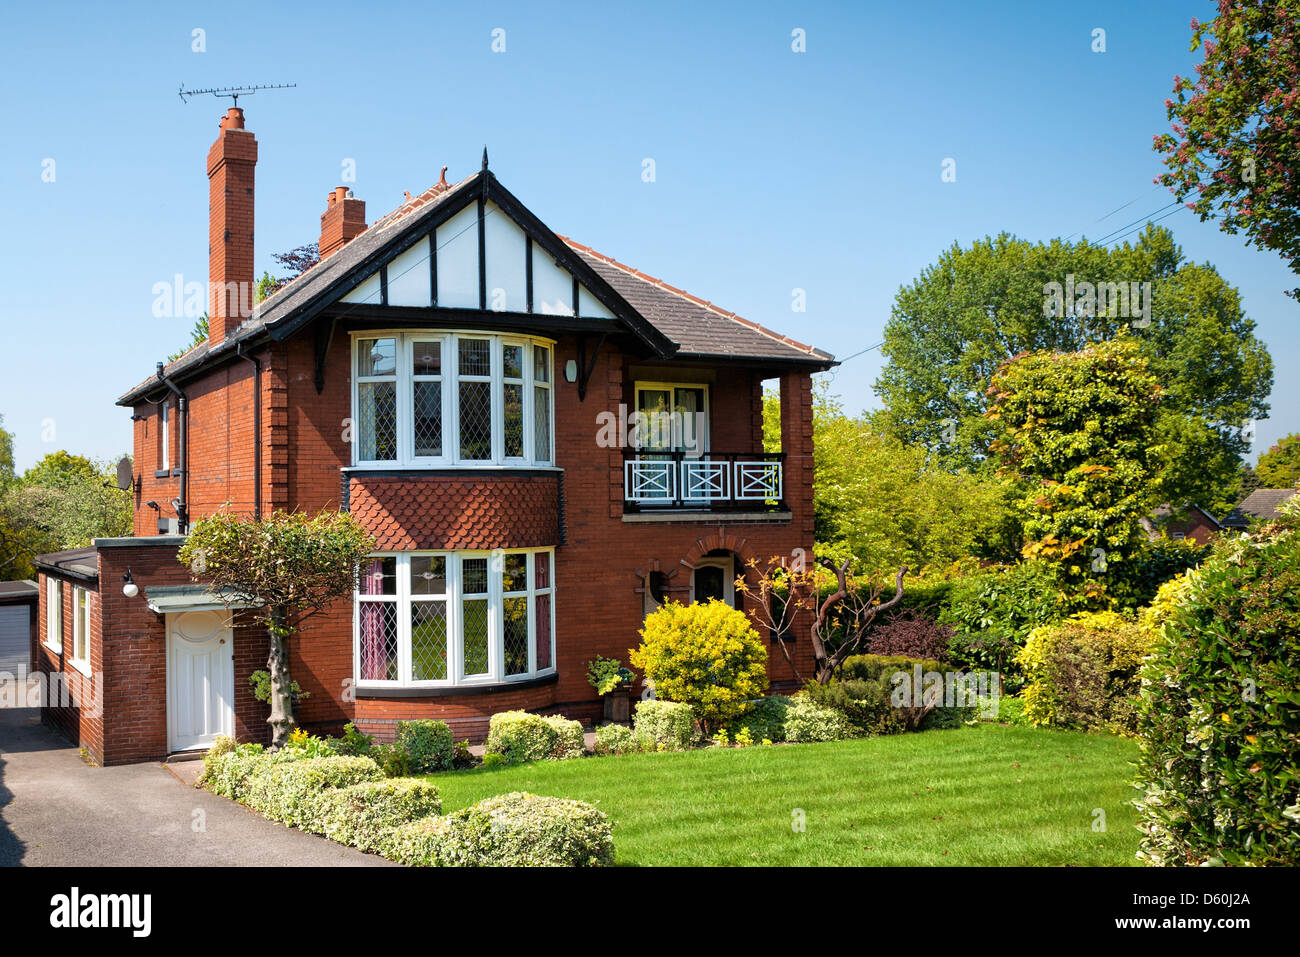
(57, 810)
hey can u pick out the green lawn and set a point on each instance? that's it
(988, 795)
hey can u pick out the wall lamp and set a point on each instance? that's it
(130, 589)
(571, 371)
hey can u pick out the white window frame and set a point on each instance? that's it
(728, 565)
(642, 385)
(80, 629)
(164, 437)
(450, 378)
(54, 615)
(455, 619)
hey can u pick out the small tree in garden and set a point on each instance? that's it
(1078, 435)
(290, 566)
(782, 588)
(706, 655)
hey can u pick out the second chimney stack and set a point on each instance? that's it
(344, 220)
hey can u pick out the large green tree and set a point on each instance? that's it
(289, 566)
(1279, 467)
(63, 501)
(1077, 434)
(977, 307)
(1236, 126)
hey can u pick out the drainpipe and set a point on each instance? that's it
(257, 429)
(182, 450)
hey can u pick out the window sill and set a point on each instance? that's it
(444, 468)
(82, 666)
(444, 691)
(52, 649)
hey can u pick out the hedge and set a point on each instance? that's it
(522, 736)
(664, 725)
(1219, 715)
(512, 830)
(291, 791)
(366, 815)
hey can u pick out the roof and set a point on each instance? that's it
(173, 598)
(698, 326)
(1169, 513)
(667, 315)
(16, 591)
(74, 562)
(1261, 503)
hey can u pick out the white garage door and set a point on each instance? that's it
(15, 638)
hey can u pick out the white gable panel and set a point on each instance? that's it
(408, 277)
(458, 260)
(552, 286)
(367, 290)
(590, 306)
(505, 252)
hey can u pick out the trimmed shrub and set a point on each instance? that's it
(427, 743)
(1082, 673)
(512, 830)
(664, 725)
(707, 655)
(806, 720)
(765, 719)
(292, 791)
(618, 739)
(916, 636)
(228, 774)
(1219, 713)
(365, 815)
(520, 736)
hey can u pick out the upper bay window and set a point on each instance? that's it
(452, 399)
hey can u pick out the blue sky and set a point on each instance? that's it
(774, 170)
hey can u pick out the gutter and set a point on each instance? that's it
(182, 450)
(257, 428)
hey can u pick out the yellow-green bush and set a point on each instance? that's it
(706, 655)
(1083, 672)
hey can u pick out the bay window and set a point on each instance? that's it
(440, 399)
(454, 618)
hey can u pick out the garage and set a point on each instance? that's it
(17, 621)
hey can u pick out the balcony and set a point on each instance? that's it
(716, 482)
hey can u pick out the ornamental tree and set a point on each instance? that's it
(289, 566)
(1236, 127)
(1078, 437)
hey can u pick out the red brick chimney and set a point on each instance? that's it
(230, 226)
(344, 220)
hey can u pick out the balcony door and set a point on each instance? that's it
(672, 439)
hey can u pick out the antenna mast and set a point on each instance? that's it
(234, 92)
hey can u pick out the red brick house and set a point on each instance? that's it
(466, 383)
(1190, 522)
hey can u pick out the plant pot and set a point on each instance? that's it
(618, 704)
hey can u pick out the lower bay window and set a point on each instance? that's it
(454, 618)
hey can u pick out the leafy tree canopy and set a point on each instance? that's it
(954, 326)
(1236, 127)
(1279, 467)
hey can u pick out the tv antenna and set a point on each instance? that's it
(234, 92)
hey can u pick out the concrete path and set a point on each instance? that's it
(57, 810)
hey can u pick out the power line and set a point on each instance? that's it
(1116, 210)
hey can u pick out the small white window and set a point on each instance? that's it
(81, 630)
(164, 438)
(54, 615)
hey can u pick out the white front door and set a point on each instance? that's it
(200, 679)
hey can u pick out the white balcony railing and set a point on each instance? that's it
(713, 481)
